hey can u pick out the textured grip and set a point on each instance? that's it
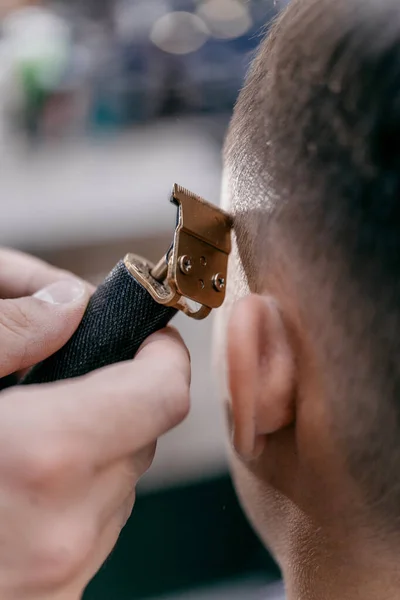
(120, 316)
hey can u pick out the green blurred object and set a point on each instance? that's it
(39, 79)
(34, 96)
(179, 539)
(39, 46)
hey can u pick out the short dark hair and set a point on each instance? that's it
(317, 127)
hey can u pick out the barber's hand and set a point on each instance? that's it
(71, 453)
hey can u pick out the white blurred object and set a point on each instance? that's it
(37, 36)
(179, 33)
(83, 191)
(226, 19)
(10, 92)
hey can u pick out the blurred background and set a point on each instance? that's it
(104, 104)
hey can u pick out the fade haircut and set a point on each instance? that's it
(313, 154)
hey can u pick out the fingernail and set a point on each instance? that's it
(62, 292)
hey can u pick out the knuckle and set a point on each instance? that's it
(144, 459)
(178, 400)
(62, 553)
(48, 463)
(148, 457)
(127, 510)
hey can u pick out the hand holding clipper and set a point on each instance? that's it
(138, 298)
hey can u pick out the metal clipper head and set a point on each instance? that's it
(195, 267)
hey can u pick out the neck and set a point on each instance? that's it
(345, 571)
(371, 585)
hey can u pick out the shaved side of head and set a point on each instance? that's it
(313, 175)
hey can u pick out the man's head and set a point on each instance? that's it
(312, 177)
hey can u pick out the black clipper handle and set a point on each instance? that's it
(120, 316)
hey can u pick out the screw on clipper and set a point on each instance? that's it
(185, 264)
(219, 282)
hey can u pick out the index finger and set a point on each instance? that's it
(23, 275)
(112, 413)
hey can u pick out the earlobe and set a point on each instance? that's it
(261, 374)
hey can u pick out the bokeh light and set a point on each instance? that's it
(226, 19)
(179, 32)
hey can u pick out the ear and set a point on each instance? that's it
(261, 374)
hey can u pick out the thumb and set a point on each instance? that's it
(34, 328)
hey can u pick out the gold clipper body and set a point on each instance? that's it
(195, 268)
